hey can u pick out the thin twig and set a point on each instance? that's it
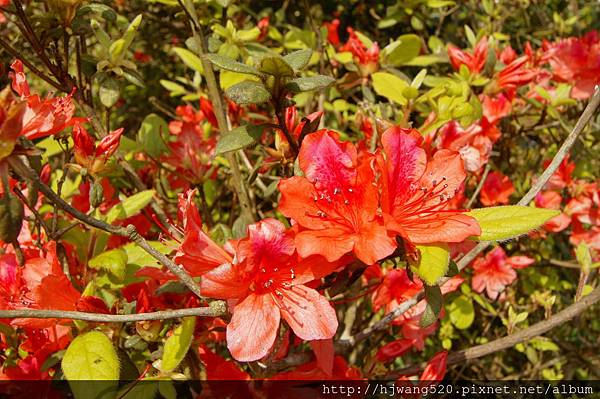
(128, 232)
(511, 340)
(209, 311)
(479, 186)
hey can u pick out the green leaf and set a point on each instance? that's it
(175, 88)
(138, 256)
(238, 138)
(584, 257)
(131, 31)
(248, 92)
(505, 222)
(92, 357)
(113, 261)
(389, 86)
(309, 83)
(433, 296)
(228, 78)
(462, 312)
(178, 344)
(190, 59)
(403, 50)
(150, 135)
(433, 262)
(109, 92)
(276, 66)
(426, 60)
(298, 59)
(231, 65)
(130, 206)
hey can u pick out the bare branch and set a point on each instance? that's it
(130, 232)
(511, 340)
(209, 311)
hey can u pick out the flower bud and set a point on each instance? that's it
(11, 217)
(96, 195)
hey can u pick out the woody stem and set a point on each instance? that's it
(217, 100)
(129, 232)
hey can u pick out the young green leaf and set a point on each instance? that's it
(231, 65)
(298, 59)
(109, 92)
(190, 59)
(150, 135)
(113, 261)
(178, 344)
(276, 66)
(434, 298)
(505, 222)
(130, 206)
(403, 50)
(389, 86)
(462, 312)
(433, 262)
(309, 83)
(248, 92)
(239, 138)
(92, 357)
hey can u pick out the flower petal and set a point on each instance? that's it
(332, 243)
(327, 162)
(224, 282)
(405, 163)
(253, 328)
(308, 313)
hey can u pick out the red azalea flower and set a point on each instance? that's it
(191, 151)
(141, 57)
(332, 32)
(266, 280)
(416, 192)
(434, 371)
(311, 371)
(475, 61)
(367, 58)
(496, 189)
(563, 176)
(576, 60)
(553, 200)
(263, 26)
(41, 117)
(495, 271)
(91, 156)
(516, 74)
(335, 203)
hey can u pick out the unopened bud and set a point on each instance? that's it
(11, 217)
(96, 195)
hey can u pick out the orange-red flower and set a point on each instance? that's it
(415, 192)
(576, 60)
(367, 58)
(335, 203)
(266, 280)
(473, 61)
(91, 156)
(495, 271)
(496, 189)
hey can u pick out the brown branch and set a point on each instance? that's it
(479, 186)
(209, 311)
(129, 232)
(511, 340)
